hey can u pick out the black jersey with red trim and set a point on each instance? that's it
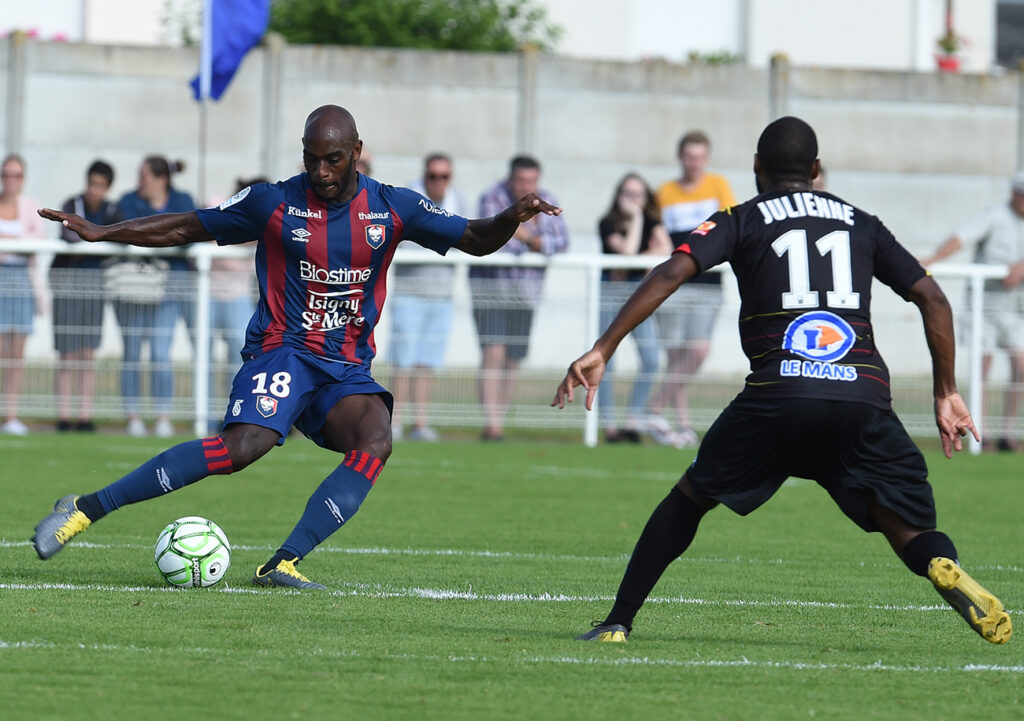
(804, 262)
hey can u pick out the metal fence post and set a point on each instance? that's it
(593, 326)
(976, 387)
(201, 375)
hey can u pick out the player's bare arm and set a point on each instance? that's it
(154, 231)
(659, 284)
(951, 414)
(486, 235)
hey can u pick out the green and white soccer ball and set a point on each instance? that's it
(193, 551)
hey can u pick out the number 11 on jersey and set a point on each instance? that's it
(836, 245)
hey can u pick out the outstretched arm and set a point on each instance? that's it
(951, 414)
(659, 284)
(484, 236)
(153, 231)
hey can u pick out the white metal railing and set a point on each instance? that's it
(590, 265)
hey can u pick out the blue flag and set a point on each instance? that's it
(230, 29)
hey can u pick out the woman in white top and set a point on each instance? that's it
(20, 293)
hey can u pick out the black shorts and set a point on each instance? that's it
(509, 327)
(856, 452)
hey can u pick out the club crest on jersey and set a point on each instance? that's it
(819, 336)
(375, 236)
(240, 195)
(704, 228)
(266, 406)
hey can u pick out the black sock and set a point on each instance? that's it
(926, 546)
(667, 534)
(281, 555)
(90, 505)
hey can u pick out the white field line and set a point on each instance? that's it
(741, 662)
(361, 590)
(455, 552)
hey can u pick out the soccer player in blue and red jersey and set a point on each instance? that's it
(817, 403)
(325, 240)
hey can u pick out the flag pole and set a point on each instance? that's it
(201, 378)
(205, 77)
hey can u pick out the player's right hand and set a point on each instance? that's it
(86, 230)
(586, 371)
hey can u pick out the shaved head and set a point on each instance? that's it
(331, 122)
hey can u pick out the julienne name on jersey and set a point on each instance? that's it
(805, 263)
(322, 267)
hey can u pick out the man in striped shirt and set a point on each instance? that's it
(325, 240)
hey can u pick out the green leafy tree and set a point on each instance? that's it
(479, 25)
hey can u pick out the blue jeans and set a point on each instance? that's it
(153, 322)
(645, 335)
(228, 319)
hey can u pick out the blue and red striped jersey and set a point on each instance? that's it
(322, 267)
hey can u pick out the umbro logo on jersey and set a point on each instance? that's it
(299, 213)
(375, 236)
(301, 235)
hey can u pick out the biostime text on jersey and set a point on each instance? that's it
(334, 309)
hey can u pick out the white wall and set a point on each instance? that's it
(875, 34)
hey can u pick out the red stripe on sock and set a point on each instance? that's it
(218, 460)
(364, 464)
(363, 458)
(375, 468)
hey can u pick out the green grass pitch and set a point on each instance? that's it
(457, 591)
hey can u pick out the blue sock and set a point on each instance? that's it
(334, 502)
(175, 468)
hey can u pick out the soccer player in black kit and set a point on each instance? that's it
(816, 403)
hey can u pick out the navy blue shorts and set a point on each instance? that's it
(289, 386)
(855, 451)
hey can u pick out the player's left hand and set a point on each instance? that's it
(954, 421)
(530, 205)
(585, 371)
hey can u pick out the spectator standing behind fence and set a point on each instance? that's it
(76, 284)
(147, 311)
(997, 235)
(686, 321)
(632, 226)
(421, 310)
(232, 301)
(21, 296)
(504, 298)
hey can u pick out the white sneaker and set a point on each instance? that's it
(424, 433)
(659, 430)
(135, 428)
(163, 428)
(687, 438)
(14, 427)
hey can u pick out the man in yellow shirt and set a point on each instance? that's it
(686, 320)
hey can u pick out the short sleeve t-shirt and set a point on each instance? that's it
(683, 209)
